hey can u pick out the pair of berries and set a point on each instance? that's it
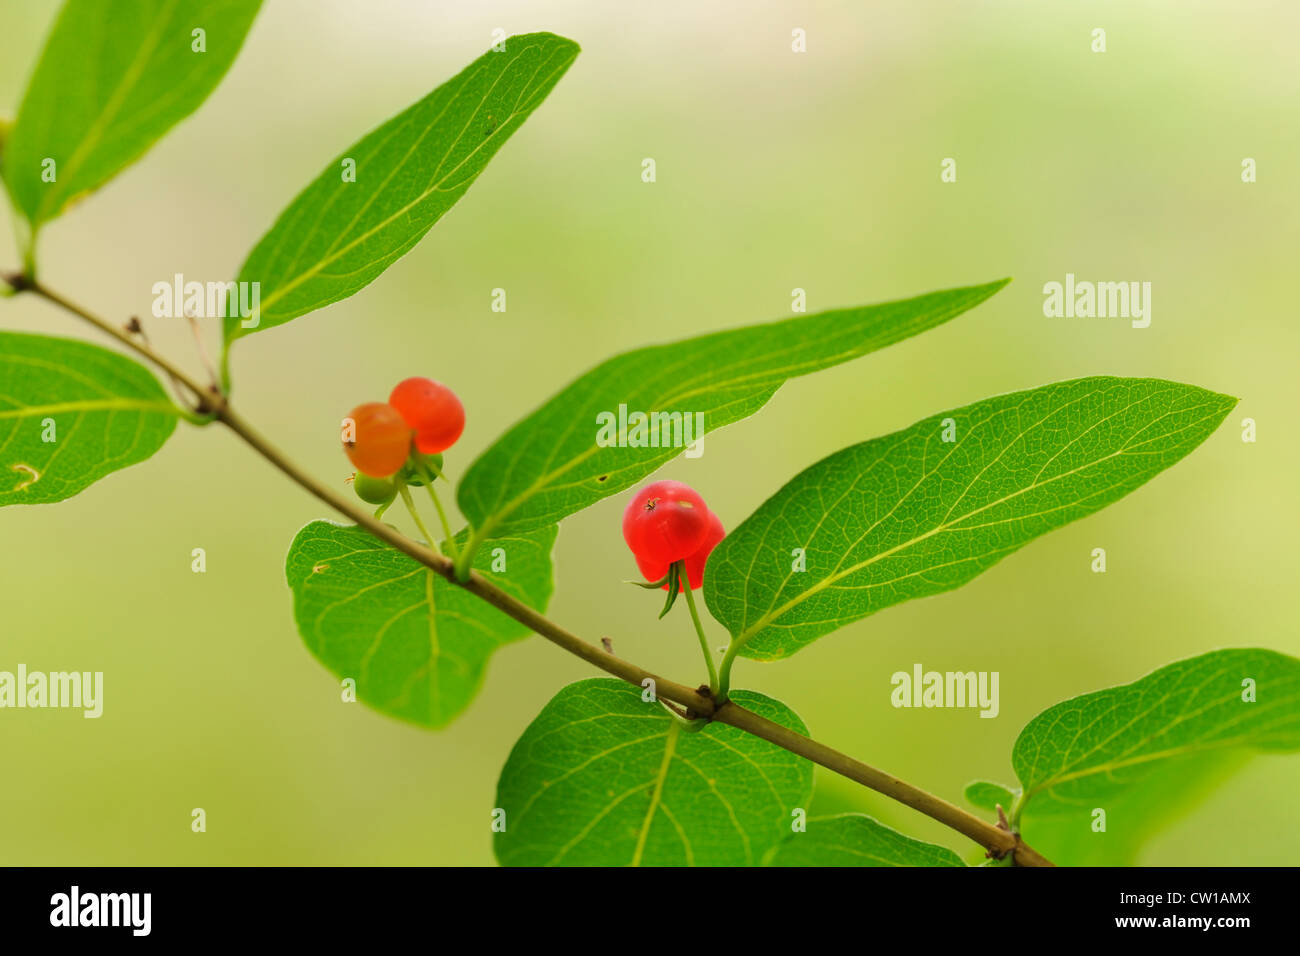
(420, 416)
(667, 522)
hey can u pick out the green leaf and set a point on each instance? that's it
(416, 645)
(1142, 811)
(603, 778)
(912, 514)
(549, 465)
(337, 236)
(113, 79)
(854, 839)
(1091, 749)
(989, 796)
(71, 413)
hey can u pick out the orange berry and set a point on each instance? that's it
(376, 439)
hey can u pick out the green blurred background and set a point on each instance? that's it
(775, 171)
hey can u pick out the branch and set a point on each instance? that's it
(204, 396)
(998, 842)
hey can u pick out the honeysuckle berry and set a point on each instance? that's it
(694, 562)
(413, 471)
(665, 522)
(375, 491)
(377, 439)
(432, 410)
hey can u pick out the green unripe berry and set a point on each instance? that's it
(376, 491)
(413, 474)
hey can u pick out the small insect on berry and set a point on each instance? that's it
(377, 439)
(665, 522)
(376, 491)
(432, 410)
(695, 561)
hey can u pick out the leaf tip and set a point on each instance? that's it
(547, 35)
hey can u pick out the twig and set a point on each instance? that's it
(997, 841)
(136, 327)
(204, 357)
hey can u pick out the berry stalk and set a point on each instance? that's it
(717, 690)
(415, 516)
(442, 515)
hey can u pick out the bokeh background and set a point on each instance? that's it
(775, 171)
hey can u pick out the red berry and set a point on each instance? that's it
(665, 522)
(655, 570)
(432, 410)
(380, 439)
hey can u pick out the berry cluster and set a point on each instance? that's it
(668, 522)
(406, 434)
